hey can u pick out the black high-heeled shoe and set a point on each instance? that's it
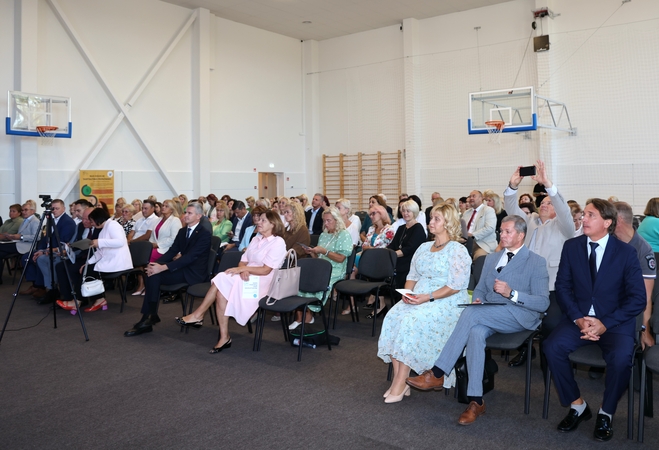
(226, 345)
(196, 324)
(379, 313)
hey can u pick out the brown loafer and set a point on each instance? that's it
(39, 293)
(471, 413)
(28, 291)
(426, 381)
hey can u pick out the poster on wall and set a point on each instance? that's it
(98, 186)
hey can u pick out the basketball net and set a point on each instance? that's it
(47, 135)
(494, 129)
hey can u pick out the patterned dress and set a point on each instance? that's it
(416, 334)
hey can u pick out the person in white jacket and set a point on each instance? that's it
(165, 232)
(111, 255)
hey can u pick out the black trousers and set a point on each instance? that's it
(152, 289)
(65, 287)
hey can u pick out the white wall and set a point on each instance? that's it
(609, 85)
(256, 104)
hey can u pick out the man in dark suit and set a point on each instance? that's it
(315, 215)
(39, 272)
(241, 220)
(514, 277)
(186, 261)
(600, 289)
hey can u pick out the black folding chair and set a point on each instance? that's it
(140, 254)
(376, 270)
(315, 275)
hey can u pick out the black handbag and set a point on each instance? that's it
(462, 376)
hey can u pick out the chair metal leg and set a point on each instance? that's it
(299, 349)
(630, 405)
(390, 371)
(527, 394)
(545, 407)
(641, 402)
(326, 323)
(122, 289)
(258, 329)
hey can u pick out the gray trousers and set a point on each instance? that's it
(475, 325)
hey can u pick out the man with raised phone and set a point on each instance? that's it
(512, 295)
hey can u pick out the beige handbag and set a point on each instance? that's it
(286, 280)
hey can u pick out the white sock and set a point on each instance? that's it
(579, 408)
(601, 411)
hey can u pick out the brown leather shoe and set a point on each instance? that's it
(28, 291)
(426, 381)
(39, 293)
(471, 413)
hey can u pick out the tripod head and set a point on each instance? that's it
(47, 202)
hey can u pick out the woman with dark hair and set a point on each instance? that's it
(265, 253)
(649, 227)
(112, 254)
(528, 208)
(525, 198)
(158, 209)
(103, 206)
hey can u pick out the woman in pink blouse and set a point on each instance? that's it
(266, 252)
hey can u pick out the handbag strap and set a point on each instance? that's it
(84, 272)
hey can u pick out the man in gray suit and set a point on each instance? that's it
(481, 225)
(517, 279)
(547, 231)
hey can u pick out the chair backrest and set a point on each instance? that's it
(211, 262)
(215, 243)
(351, 261)
(313, 240)
(140, 253)
(477, 269)
(362, 215)
(377, 264)
(315, 274)
(229, 260)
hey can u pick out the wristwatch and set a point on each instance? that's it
(431, 298)
(512, 294)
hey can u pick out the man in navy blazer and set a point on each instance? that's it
(314, 216)
(186, 261)
(517, 280)
(40, 274)
(600, 289)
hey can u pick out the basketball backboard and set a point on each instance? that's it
(515, 107)
(26, 112)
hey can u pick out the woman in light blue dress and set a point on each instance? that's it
(416, 329)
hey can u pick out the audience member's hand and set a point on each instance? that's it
(177, 256)
(502, 288)
(541, 175)
(154, 268)
(82, 268)
(594, 329)
(646, 339)
(478, 301)
(515, 178)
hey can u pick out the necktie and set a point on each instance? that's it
(510, 256)
(471, 219)
(189, 233)
(593, 261)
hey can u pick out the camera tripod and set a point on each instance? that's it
(52, 234)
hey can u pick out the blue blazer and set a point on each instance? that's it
(66, 227)
(618, 294)
(248, 222)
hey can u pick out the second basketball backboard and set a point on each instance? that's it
(515, 107)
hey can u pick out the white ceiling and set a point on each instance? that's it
(329, 18)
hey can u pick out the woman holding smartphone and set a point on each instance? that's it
(416, 328)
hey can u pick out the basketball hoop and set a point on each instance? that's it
(494, 129)
(47, 134)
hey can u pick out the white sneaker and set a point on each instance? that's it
(294, 325)
(275, 318)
